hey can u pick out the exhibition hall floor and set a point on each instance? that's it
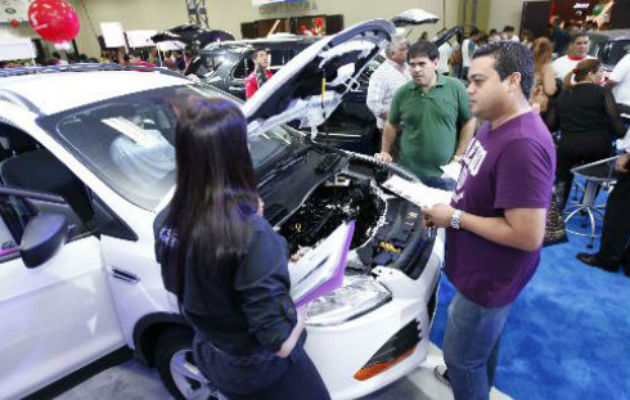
(131, 381)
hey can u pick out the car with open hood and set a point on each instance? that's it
(352, 126)
(85, 172)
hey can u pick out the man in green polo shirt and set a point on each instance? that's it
(428, 111)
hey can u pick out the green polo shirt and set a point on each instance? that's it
(429, 123)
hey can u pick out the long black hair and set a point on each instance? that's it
(216, 187)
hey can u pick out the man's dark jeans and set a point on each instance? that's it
(438, 182)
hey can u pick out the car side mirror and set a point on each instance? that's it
(43, 236)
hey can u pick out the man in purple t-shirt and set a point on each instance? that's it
(496, 220)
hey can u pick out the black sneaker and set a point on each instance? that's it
(610, 264)
(441, 373)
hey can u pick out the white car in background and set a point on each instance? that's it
(86, 162)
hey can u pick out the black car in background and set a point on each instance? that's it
(609, 46)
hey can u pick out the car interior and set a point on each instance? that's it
(24, 164)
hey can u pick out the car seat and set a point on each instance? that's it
(14, 141)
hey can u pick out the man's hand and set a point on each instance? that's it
(438, 216)
(383, 157)
(621, 164)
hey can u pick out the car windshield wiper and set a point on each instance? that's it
(288, 160)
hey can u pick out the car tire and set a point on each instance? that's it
(174, 362)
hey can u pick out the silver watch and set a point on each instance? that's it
(455, 219)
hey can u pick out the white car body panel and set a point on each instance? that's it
(328, 345)
(61, 318)
(81, 88)
(135, 300)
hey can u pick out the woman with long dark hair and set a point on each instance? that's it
(586, 114)
(544, 78)
(228, 267)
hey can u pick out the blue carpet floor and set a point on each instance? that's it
(568, 335)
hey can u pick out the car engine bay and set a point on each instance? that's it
(388, 229)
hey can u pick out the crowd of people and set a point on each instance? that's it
(178, 60)
(495, 222)
(228, 267)
(516, 97)
(456, 55)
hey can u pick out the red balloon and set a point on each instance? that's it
(54, 20)
(14, 23)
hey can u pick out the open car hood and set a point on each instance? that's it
(310, 87)
(191, 34)
(414, 16)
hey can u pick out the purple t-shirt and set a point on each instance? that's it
(509, 167)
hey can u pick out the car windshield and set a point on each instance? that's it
(128, 141)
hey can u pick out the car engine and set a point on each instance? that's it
(340, 199)
(388, 229)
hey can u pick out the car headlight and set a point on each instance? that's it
(358, 295)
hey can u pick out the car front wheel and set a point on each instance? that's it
(180, 375)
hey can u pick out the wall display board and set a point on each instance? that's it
(113, 34)
(140, 38)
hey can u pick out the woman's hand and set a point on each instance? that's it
(289, 344)
(299, 254)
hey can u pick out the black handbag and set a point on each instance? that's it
(555, 232)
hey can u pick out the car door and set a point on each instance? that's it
(59, 316)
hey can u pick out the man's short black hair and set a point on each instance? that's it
(255, 53)
(508, 28)
(474, 31)
(511, 57)
(576, 35)
(423, 48)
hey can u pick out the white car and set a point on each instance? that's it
(86, 163)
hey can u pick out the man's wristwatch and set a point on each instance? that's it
(455, 219)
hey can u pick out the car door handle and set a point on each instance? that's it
(125, 276)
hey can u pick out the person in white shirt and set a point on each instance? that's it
(388, 77)
(445, 50)
(468, 48)
(578, 48)
(508, 30)
(619, 80)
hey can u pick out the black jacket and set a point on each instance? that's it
(249, 311)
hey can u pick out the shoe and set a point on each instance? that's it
(441, 373)
(625, 264)
(610, 264)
